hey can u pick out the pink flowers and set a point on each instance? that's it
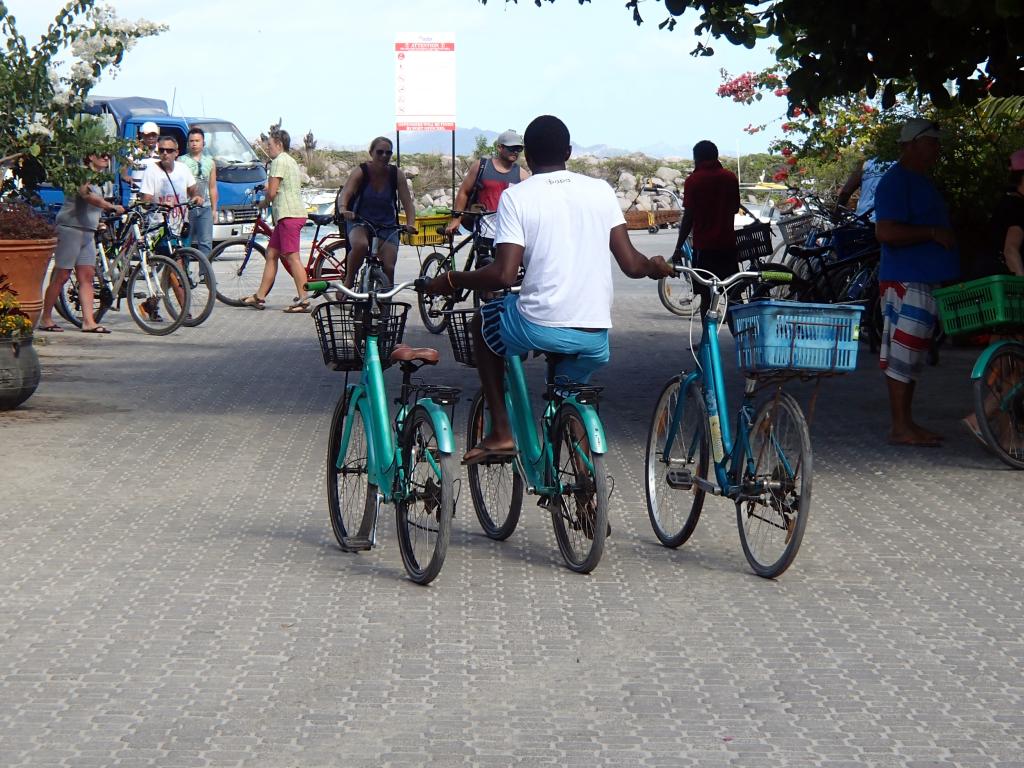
(740, 89)
(782, 91)
(780, 175)
(752, 129)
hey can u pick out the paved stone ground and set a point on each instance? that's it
(171, 594)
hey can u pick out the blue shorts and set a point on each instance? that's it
(507, 333)
(392, 235)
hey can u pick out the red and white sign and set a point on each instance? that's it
(425, 83)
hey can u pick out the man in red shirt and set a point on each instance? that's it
(711, 198)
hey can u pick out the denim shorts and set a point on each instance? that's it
(506, 332)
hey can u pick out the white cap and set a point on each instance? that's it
(149, 127)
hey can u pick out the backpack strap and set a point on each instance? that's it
(363, 183)
(393, 180)
(478, 184)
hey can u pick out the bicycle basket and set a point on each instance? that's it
(789, 335)
(339, 326)
(991, 302)
(754, 241)
(794, 229)
(461, 335)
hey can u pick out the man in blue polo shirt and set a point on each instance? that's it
(918, 254)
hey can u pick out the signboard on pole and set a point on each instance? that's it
(425, 83)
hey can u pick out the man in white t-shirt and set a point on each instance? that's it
(560, 226)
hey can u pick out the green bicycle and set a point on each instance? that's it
(407, 460)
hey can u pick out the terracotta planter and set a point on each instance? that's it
(19, 371)
(25, 262)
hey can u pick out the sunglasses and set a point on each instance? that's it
(516, 149)
(929, 127)
(383, 152)
(167, 151)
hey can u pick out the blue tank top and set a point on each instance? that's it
(377, 205)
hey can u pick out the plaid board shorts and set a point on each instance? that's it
(910, 315)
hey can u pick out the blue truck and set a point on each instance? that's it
(238, 167)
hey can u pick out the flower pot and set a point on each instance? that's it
(25, 262)
(19, 371)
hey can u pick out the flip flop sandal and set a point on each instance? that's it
(98, 329)
(254, 301)
(51, 328)
(302, 308)
(479, 455)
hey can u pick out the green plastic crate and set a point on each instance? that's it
(989, 303)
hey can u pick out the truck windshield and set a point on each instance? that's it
(227, 145)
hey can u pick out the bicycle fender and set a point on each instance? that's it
(357, 399)
(986, 356)
(442, 426)
(592, 423)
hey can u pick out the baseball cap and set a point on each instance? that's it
(1017, 160)
(149, 127)
(509, 138)
(919, 128)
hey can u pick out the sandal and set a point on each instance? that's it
(254, 301)
(301, 308)
(51, 328)
(97, 329)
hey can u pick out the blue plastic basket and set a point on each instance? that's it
(789, 335)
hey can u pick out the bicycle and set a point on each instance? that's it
(238, 261)
(194, 263)
(433, 308)
(766, 466)
(409, 461)
(132, 272)
(562, 462)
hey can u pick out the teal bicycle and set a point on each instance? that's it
(764, 464)
(408, 459)
(562, 462)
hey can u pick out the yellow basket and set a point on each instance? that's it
(431, 230)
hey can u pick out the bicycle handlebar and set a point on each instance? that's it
(319, 287)
(765, 275)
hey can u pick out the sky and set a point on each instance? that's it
(329, 67)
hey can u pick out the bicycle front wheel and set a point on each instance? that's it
(677, 295)
(351, 498)
(432, 307)
(674, 500)
(424, 513)
(999, 404)
(154, 286)
(579, 511)
(495, 487)
(201, 281)
(238, 269)
(776, 495)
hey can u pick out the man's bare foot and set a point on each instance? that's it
(491, 447)
(915, 436)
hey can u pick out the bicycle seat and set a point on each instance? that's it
(403, 353)
(321, 218)
(809, 251)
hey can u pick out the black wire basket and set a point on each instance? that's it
(754, 242)
(340, 328)
(461, 335)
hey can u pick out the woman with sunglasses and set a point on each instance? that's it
(372, 192)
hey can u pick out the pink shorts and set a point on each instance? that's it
(285, 237)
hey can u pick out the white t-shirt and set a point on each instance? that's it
(155, 182)
(563, 220)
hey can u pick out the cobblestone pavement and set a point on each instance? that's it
(171, 594)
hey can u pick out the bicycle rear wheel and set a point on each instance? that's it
(579, 511)
(772, 513)
(675, 508)
(677, 295)
(201, 281)
(238, 269)
(150, 287)
(431, 306)
(495, 487)
(999, 404)
(330, 262)
(424, 516)
(69, 301)
(351, 498)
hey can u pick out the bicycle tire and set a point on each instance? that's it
(999, 405)
(69, 304)
(235, 277)
(351, 497)
(579, 511)
(495, 488)
(691, 445)
(434, 265)
(678, 298)
(162, 271)
(328, 266)
(424, 516)
(780, 445)
(201, 281)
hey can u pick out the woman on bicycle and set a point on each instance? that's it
(76, 248)
(371, 193)
(282, 196)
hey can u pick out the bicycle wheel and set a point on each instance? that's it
(579, 512)
(675, 508)
(330, 262)
(424, 514)
(69, 302)
(677, 295)
(495, 487)
(777, 494)
(150, 286)
(999, 404)
(351, 498)
(430, 306)
(237, 269)
(201, 281)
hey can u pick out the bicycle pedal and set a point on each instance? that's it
(680, 479)
(356, 543)
(544, 502)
